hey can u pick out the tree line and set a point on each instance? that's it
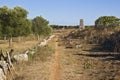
(64, 26)
(101, 22)
(14, 23)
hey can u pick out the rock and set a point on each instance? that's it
(69, 46)
(78, 46)
(26, 52)
(21, 57)
(43, 43)
(2, 75)
(32, 52)
(50, 37)
(4, 66)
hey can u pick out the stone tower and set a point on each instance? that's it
(81, 26)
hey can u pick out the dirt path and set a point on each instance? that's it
(56, 64)
(55, 67)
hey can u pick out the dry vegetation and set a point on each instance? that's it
(107, 38)
(20, 46)
(39, 66)
(82, 63)
(90, 62)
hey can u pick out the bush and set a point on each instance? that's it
(112, 43)
(40, 26)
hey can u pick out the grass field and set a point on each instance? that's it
(20, 46)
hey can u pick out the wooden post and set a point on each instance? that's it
(2, 56)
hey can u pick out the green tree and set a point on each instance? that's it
(14, 22)
(21, 23)
(40, 26)
(107, 21)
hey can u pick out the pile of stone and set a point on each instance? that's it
(21, 57)
(3, 70)
(5, 64)
(24, 56)
(44, 42)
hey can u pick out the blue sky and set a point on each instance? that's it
(67, 12)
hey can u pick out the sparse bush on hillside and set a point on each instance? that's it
(107, 37)
(43, 53)
(112, 43)
(92, 35)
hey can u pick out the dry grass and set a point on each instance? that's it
(81, 64)
(72, 65)
(39, 67)
(24, 44)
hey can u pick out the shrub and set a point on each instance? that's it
(112, 43)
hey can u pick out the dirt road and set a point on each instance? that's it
(55, 66)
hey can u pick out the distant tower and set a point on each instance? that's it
(81, 26)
